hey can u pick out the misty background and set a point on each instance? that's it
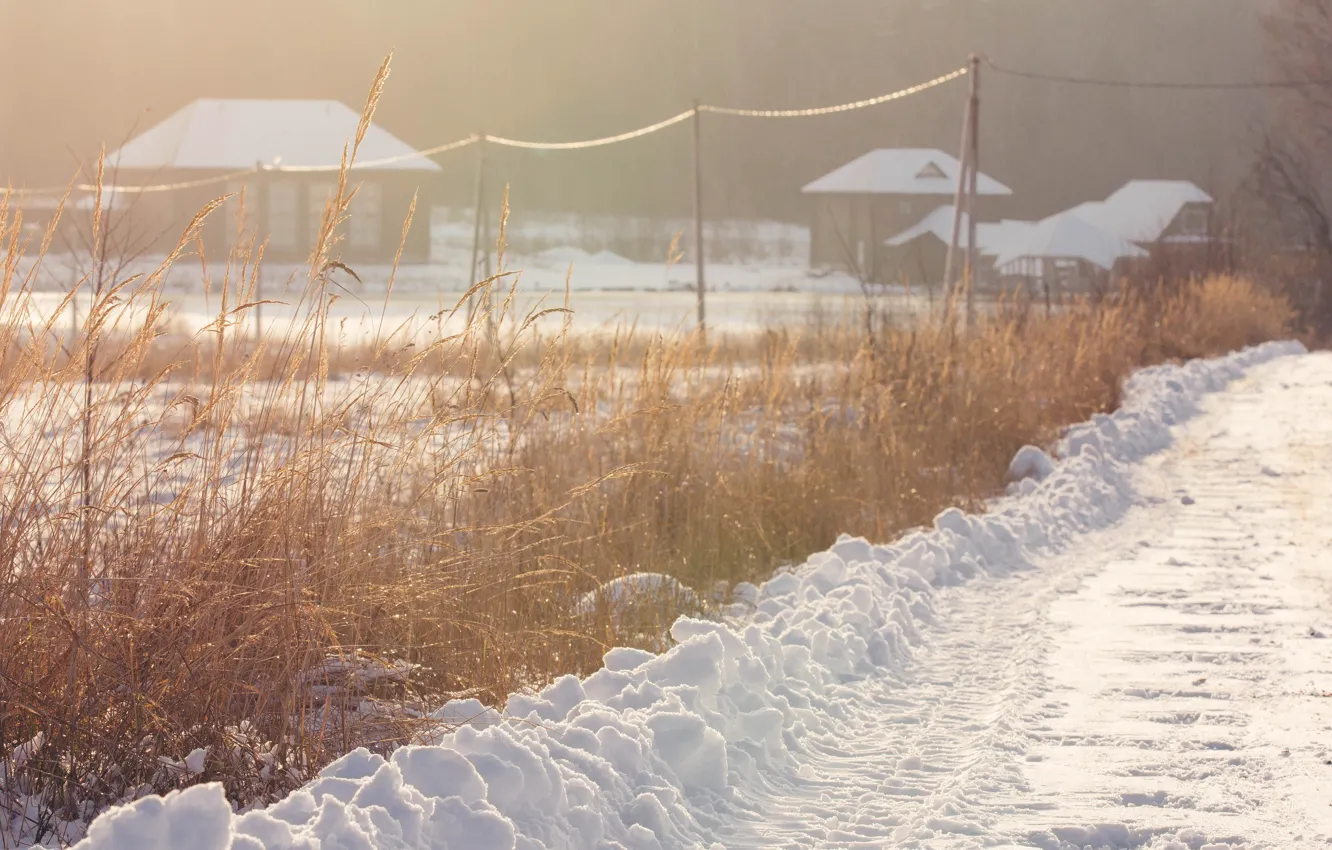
(86, 72)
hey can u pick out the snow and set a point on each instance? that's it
(1030, 463)
(1184, 652)
(991, 237)
(1141, 210)
(561, 257)
(901, 171)
(194, 762)
(609, 258)
(652, 296)
(620, 595)
(1100, 232)
(1068, 236)
(642, 238)
(238, 134)
(197, 818)
(962, 687)
(341, 675)
(19, 757)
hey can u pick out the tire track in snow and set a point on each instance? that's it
(936, 759)
(1188, 659)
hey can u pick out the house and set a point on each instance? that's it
(284, 200)
(881, 194)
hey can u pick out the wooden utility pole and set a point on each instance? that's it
(478, 199)
(701, 282)
(973, 250)
(265, 185)
(959, 200)
(487, 248)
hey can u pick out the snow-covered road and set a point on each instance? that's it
(1129, 654)
(1186, 680)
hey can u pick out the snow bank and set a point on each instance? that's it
(677, 750)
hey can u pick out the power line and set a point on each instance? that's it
(726, 110)
(1155, 84)
(685, 116)
(592, 143)
(518, 143)
(136, 190)
(843, 107)
(360, 165)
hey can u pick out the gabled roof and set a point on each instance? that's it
(1143, 209)
(901, 171)
(237, 134)
(990, 236)
(1067, 235)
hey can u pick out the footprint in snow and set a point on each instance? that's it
(1187, 500)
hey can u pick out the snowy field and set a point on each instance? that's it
(1128, 652)
(605, 293)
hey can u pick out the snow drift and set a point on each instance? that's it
(670, 750)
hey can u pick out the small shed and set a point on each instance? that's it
(212, 137)
(918, 255)
(878, 195)
(1152, 212)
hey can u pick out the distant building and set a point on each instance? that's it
(879, 195)
(215, 137)
(1074, 250)
(1153, 212)
(1063, 253)
(917, 256)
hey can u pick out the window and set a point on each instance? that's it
(1193, 221)
(931, 171)
(367, 217)
(282, 213)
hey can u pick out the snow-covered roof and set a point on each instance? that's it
(1068, 236)
(901, 171)
(237, 134)
(1142, 209)
(990, 236)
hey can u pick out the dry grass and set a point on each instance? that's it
(186, 541)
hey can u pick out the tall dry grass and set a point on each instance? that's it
(225, 548)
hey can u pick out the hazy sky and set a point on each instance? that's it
(83, 72)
